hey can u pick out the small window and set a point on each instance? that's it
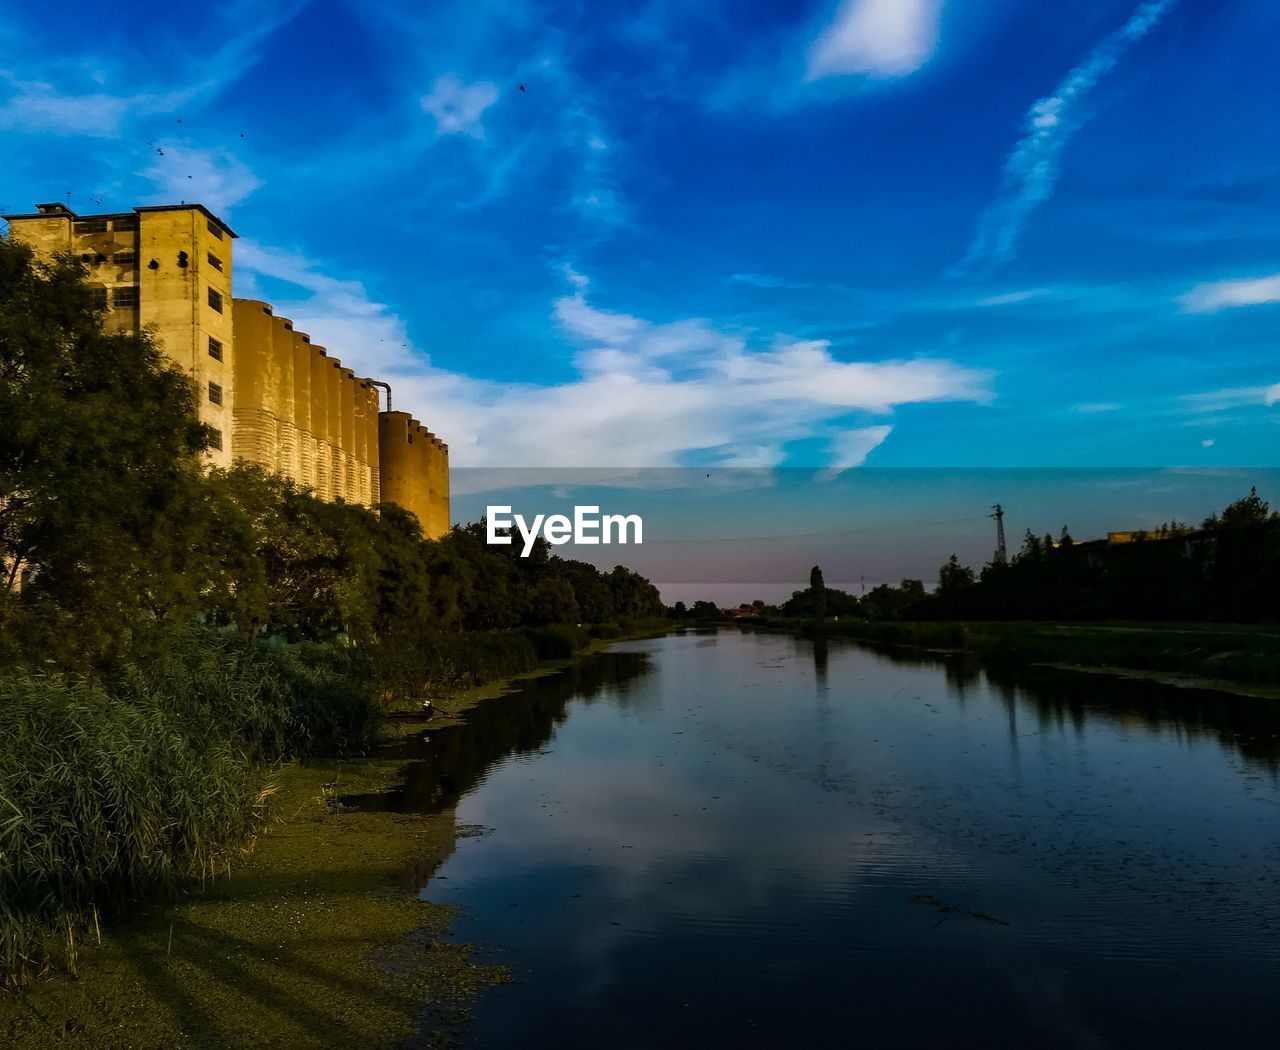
(214, 228)
(215, 394)
(99, 296)
(215, 300)
(182, 260)
(129, 222)
(214, 261)
(215, 439)
(91, 226)
(124, 296)
(124, 258)
(215, 348)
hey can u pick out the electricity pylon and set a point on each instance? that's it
(1002, 554)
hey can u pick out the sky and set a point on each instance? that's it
(880, 233)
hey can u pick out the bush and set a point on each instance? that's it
(557, 641)
(100, 797)
(276, 700)
(409, 665)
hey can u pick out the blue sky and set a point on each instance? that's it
(894, 232)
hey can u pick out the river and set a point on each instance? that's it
(739, 839)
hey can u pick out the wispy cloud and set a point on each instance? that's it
(45, 101)
(215, 178)
(1032, 169)
(876, 38)
(37, 106)
(1222, 295)
(1232, 397)
(767, 280)
(646, 393)
(457, 107)
(1092, 408)
(1013, 298)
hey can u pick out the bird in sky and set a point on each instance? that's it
(522, 89)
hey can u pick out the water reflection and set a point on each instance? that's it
(449, 760)
(756, 840)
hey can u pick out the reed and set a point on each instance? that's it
(112, 788)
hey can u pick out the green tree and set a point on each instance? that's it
(818, 590)
(99, 463)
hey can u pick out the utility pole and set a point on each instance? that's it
(1002, 555)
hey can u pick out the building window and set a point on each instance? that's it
(215, 394)
(124, 296)
(214, 261)
(99, 296)
(91, 226)
(215, 439)
(129, 222)
(214, 228)
(124, 258)
(215, 300)
(215, 348)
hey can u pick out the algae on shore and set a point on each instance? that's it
(309, 942)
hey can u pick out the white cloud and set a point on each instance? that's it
(1012, 298)
(851, 448)
(767, 280)
(1232, 397)
(876, 38)
(214, 178)
(42, 108)
(1094, 407)
(1222, 295)
(457, 106)
(647, 394)
(1207, 443)
(1032, 169)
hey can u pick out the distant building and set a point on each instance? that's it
(272, 396)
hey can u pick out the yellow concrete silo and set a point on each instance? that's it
(287, 458)
(320, 421)
(347, 440)
(302, 406)
(396, 459)
(333, 427)
(439, 478)
(253, 430)
(363, 492)
(374, 457)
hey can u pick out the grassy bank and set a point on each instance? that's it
(307, 940)
(129, 786)
(305, 932)
(1202, 654)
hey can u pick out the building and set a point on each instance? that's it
(272, 396)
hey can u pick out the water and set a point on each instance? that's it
(754, 840)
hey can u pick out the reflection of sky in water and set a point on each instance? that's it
(726, 846)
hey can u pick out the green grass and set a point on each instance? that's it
(119, 789)
(1242, 653)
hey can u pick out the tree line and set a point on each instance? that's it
(113, 536)
(1226, 569)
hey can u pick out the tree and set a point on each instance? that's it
(99, 463)
(1246, 511)
(818, 589)
(954, 577)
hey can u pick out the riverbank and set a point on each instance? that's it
(1239, 658)
(315, 938)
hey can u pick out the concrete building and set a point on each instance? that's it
(273, 397)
